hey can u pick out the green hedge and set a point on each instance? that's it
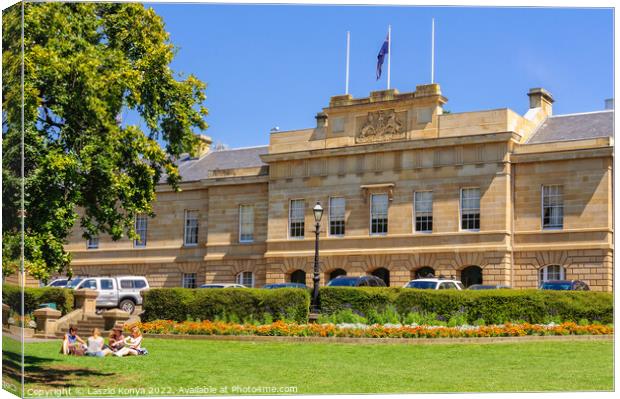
(492, 306)
(241, 305)
(361, 300)
(33, 297)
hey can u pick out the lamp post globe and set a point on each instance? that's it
(318, 212)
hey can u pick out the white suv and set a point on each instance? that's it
(435, 284)
(114, 292)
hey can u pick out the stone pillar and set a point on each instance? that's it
(86, 300)
(46, 320)
(112, 316)
(5, 314)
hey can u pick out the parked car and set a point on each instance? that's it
(58, 283)
(360, 281)
(488, 287)
(285, 285)
(114, 292)
(435, 284)
(565, 285)
(225, 285)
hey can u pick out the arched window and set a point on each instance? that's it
(337, 272)
(298, 276)
(471, 275)
(552, 272)
(246, 278)
(383, 274)
(424, 272)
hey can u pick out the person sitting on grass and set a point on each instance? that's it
(116, 341)
(133, 344)
(72, 344)
(95, 344)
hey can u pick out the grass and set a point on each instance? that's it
(173, 365)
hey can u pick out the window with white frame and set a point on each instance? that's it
(470, 209)
(92, 243)
(336, 216)
(141, 226)
(552, 207)
(378, 214)
(246, 223)
(296, 218)
(191, 228)
(423, 209)
(246, 278)
(552, 272)
(189, 280)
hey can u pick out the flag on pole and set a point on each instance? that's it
(385, 49)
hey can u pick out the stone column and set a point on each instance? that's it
(46, 320)
(112, 316)
(86, 300)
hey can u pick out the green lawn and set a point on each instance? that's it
(173, 365)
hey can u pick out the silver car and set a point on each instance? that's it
(121, 292)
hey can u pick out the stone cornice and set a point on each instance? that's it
(393, 146)
(561, 155)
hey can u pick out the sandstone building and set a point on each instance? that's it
(489, 196)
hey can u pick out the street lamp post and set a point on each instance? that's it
(318, 214)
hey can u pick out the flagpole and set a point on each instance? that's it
(433, 51)
(389, 53)
(346, 87)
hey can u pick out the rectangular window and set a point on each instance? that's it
(336, 216)
(246, 278)
(246, 223)
(552, 207)
(92, 243)
(126, 284)
(191, 228)
(423, 209)
(378, 214)
(296, 218)
(141, 226)
(189, 280)
(470, 209)
(107, 284)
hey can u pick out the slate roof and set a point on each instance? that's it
(575, 127)
(192, 169)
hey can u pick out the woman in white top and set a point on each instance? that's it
(95, 344)
(132, 342)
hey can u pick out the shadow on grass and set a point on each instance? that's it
(41, 371)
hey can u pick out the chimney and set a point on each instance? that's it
(204, 145)
(609, 103)
(321, 120)
(541, 98)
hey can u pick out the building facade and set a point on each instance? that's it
(408, 189)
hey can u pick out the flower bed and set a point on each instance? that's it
(281, 328)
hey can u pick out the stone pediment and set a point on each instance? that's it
(382, 125)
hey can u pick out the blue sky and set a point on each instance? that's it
(269, 66)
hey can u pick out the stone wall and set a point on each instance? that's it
(592, 266)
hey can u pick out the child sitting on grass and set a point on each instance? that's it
(95, 344)
(133, 344)
(72, 344)
(116, 341)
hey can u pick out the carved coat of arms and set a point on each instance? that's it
(381, 126)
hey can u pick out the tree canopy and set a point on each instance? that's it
(85, 64)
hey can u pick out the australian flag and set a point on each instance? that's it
(385, 48)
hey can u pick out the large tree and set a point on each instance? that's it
(86, 64)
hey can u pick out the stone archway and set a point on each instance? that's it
(383, 274)
(471, 275)
(335, 273)
(423, 272)
(298, 276)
